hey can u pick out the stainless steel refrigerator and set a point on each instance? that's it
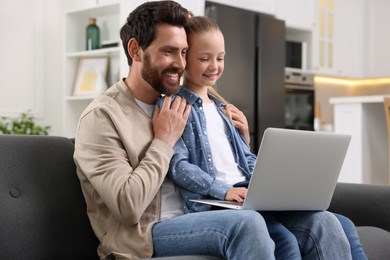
(253, 79)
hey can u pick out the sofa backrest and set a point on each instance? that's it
(42, 209)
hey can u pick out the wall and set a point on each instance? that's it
(53, 62)
(32, 62)
(21, 51)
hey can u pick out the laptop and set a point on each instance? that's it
(295, 170)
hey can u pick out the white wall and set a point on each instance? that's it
(32, 62)
(21, 52)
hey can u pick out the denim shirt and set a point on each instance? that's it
(192, 168)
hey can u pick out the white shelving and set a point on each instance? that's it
(109, 22)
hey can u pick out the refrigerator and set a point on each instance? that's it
(253, 79)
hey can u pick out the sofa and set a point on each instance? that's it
(43, 212)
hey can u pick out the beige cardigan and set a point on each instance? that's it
(121, 169)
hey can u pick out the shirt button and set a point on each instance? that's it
(204, 132)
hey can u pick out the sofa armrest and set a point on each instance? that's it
(364, 204)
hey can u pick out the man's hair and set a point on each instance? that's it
(142, 21)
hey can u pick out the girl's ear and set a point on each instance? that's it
(134, 49)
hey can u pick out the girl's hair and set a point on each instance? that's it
(202, 24)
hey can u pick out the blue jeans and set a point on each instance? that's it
(353, 237)
(229, 234)
(319, 234)
(286, 244)
(242, 234)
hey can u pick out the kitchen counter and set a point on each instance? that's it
(363, 117)
(357, 99)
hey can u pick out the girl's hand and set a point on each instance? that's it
(239, 121)
(236, 194)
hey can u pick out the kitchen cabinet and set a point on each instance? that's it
(334, 35)
(349, 38)
(297, 14)
(339, 38)
(378, 38)
(364, 119)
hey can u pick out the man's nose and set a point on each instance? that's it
(180, 62)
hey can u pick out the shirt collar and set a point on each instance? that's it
(191, 97)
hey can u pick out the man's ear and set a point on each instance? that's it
(134, 49)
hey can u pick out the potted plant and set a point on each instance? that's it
(23, 125)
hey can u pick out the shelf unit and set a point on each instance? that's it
(108, 18)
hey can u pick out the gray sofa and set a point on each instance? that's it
(43, 213)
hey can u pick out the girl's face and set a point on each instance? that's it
(205, 59)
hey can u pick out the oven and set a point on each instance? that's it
(299, 100)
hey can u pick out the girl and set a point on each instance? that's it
(212, 156)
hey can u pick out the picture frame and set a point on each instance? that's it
(91, 76)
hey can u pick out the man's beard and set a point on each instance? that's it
(151, 75)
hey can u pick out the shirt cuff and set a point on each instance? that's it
(218, 190)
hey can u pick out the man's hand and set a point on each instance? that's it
(169, 122)
(236, 194)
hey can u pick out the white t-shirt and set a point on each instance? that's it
(226, 168)
(171, 200)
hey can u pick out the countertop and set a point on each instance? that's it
(358, 99)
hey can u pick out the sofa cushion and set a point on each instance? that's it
(364, 204)
(42, 209)
(373, 238)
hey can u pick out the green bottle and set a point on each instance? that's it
(93, 35)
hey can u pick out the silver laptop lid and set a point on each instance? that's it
(296, 170)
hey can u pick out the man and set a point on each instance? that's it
(122, 154)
